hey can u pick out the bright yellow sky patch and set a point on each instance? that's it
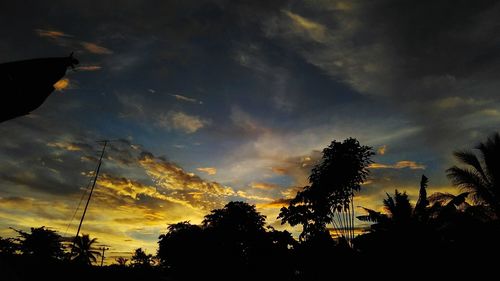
(399, 165)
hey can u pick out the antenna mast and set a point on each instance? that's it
(91, 190)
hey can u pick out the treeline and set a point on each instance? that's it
(441, 234)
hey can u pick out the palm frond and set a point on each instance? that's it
(469, 158)
(459, 199)
(490, 152)
(440, 197)
(372, 216)
(389, 203)
(472, 182)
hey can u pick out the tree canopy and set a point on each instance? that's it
(329, 197)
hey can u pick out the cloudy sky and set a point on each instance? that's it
(212, 101)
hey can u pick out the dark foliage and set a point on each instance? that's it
(232, 242)
(41, 244)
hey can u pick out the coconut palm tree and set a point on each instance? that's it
(482, 176)
(83, 250)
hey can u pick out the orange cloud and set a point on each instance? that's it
(279, 170)
(62, 84)
(275, 204)
(69, 146)
(246, 195)
(173, 179)
(54, 34)
(96, 49)
(208, 170)
(264, 185)
(399, 165)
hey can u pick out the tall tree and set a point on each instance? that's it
(233, 237)
(236, 216)
(481, 177)
(83, 250)
(236, 233)
(330, 196)
(183, 247)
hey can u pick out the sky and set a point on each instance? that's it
(219, 100)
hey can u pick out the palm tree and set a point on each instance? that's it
(398, 207)
(83, 250)
(482, 176)
(121, 261)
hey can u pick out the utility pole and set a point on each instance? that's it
(91, 190)
(102, 256)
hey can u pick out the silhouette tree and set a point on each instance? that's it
(8, 246)
(444, 203)
(422, 202)
(236, 217)
(141, 260)
(399, 210)
(400, 233)
(83, 251)
(482, 176)
(236, 233)
(183, 247)
(330, 197)
(121, 261)
(41, 244)
(233, 237)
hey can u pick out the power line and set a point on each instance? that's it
(79, 204)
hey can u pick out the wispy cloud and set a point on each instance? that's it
(65, 40)
(70, 146)
(181, 121)
(53, 34)
(89, 67)
(208, 170)
(264, 185)
(456, 102)
(399, 165)
(308, 27)
(186, 99)
(96, 49)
